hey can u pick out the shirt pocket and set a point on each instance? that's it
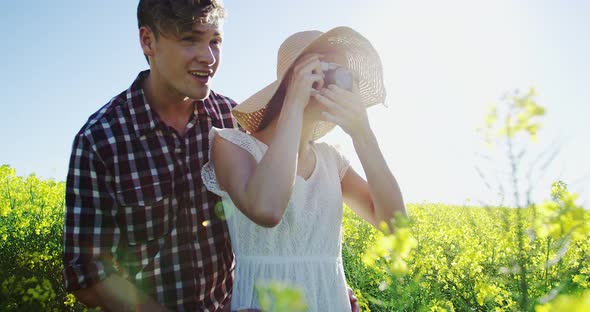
(147, 212)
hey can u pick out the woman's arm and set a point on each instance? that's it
(378, 198)
(262, 191)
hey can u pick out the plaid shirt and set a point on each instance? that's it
(136, 204)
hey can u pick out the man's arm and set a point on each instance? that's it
(115, 293)
(354, 305)
(91, 234)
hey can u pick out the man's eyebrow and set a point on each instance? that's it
(196, 32)
(201, 32)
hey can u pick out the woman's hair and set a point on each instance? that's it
(275, 105)
(173, 17)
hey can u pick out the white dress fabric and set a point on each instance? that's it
(304, 249)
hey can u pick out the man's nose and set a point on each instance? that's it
(206, 56)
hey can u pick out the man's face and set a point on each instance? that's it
(185, 64)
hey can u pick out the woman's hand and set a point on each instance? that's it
(306, 71)
(344, 108)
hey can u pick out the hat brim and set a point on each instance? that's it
(250, 112)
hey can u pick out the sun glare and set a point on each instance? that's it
(444, 62)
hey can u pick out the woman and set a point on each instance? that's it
(282, 193)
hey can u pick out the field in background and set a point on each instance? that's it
(445, 258)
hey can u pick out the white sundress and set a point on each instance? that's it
(304, 249)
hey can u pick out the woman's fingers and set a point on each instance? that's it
(338, 99)
(326, 116)
(318, 70)
(328, 103)
(310, 63)
(337, 91)
(335, 110)
(303, 76)
(314, 78)
(307, 71)
(310, 66)
(303, 64)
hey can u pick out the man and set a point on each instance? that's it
(141, 231)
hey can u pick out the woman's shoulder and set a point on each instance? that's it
(233, 135)
(332, 154)
(237, 137)
(227, 131)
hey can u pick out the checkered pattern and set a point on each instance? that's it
(136, 204)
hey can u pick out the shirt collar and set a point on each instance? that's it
(145, 118)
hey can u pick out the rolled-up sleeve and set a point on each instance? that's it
(90, 233)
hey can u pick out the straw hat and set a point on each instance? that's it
(360, 57)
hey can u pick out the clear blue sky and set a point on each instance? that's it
(444, 61)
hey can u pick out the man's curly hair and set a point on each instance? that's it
(173, 17)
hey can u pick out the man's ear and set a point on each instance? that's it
(147, 39)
